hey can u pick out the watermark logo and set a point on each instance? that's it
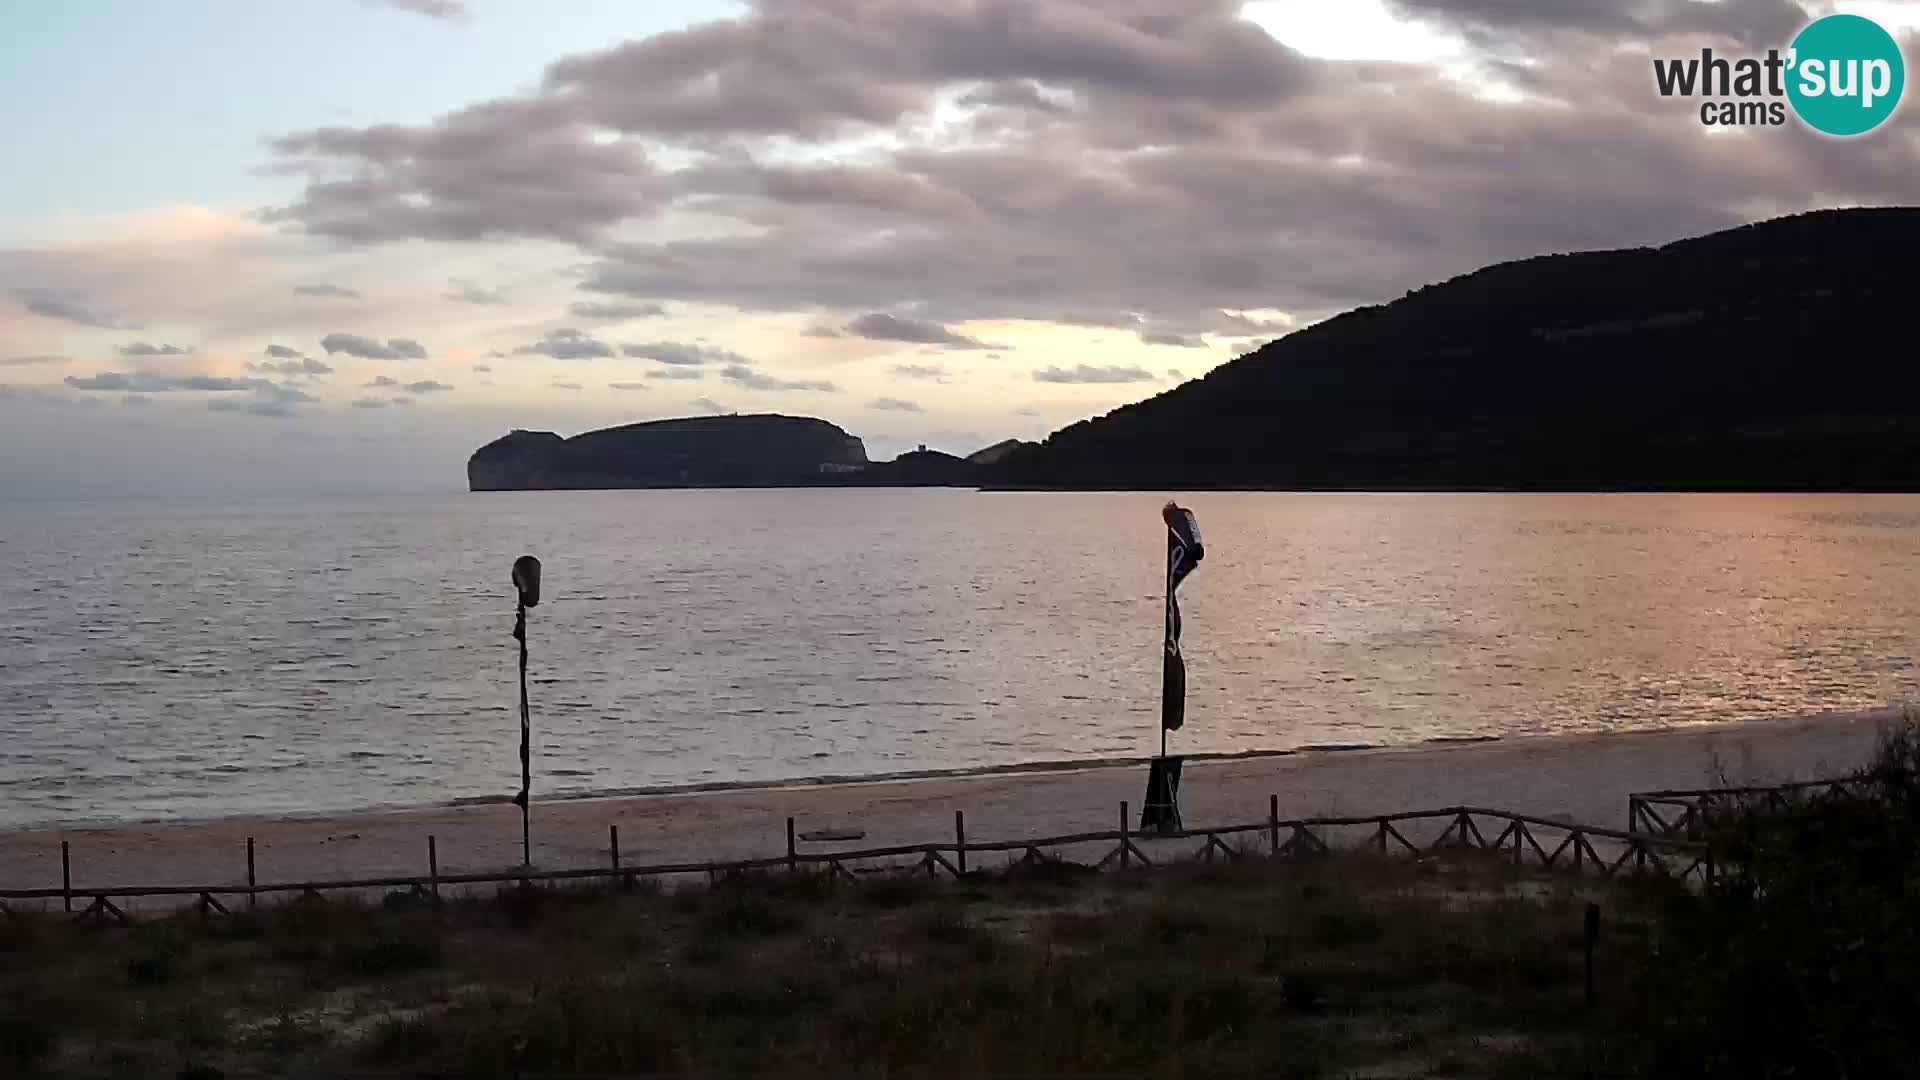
(1843, 75)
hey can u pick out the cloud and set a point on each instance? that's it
(144, 382)
(878, 326)
(1118, 165)
(677, 373)
(628, 386)
(383, 381)
(710, 405)
(1117, 320)
(558, 385)
(267, 408)
(466, 292)
(324, 290)
(427, 387)
(51, 304)
(821, 332)
(306, 365)
(894, 405)
(742, 375)
(142, 348)
(483, 369)
(1029, 411)
(1084, 373)
(681, 353)
(1167, 337)
(614, 311)
(267, 400)
(368, 403)
(567, 344)
(920, 371)
(29, 361)
(449, 10)
(368, 349)
(281, 352)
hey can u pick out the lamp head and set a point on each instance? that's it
(526, 579)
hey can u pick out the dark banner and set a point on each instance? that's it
(1184, 552)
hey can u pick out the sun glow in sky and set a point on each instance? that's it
(337, 245)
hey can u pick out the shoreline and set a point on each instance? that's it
(1584, 777)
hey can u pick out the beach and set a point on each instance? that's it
(1585, 778)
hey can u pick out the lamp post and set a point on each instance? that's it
(526, 582)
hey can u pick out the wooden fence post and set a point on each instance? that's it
(613, 850)
(960, 839)
(433, 867)
(1125, 847)
(793, 855)
(1273, 825)
(252, 897)
(66, 876)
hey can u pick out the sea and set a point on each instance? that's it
(165, 660)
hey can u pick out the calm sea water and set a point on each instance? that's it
(209, 659)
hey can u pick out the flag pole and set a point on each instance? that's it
(526, 582)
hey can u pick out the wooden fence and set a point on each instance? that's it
(1524, 838)
(1686, 814)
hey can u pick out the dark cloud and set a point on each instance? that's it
(52, 304)
(568, 344)
(146, 382)
(427, 387)
(450, 10)
(330, 292)
(920, 371)
(683, 373)
(142, 348)
(484, 369)
(614, 311)
(891, 404)
(1117, 320)
(510, 168)
(267, 400)
(368, 403)
(742, 375)
(1240, 326)
(367, 348)
(821, 332)
(558, 385)
(466, 292)
(682, 353)
(1167, 337)
(1138, 163)
(306, 366)
(281, 352)
(709, 405)
(29, 361)
(380, 381)
(1750, 22)
(628, 386)
(1085, 373)
(135, 401)
(878, 326)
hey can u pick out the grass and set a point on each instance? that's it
(1342, 966)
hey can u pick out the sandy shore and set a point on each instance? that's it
(1585, 777)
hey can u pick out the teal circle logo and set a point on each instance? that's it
(1846, 75)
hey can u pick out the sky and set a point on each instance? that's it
(335, 246)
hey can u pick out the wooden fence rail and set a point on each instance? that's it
(1686, 813)
(1579, 848)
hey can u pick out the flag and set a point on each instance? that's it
(1184, 552)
